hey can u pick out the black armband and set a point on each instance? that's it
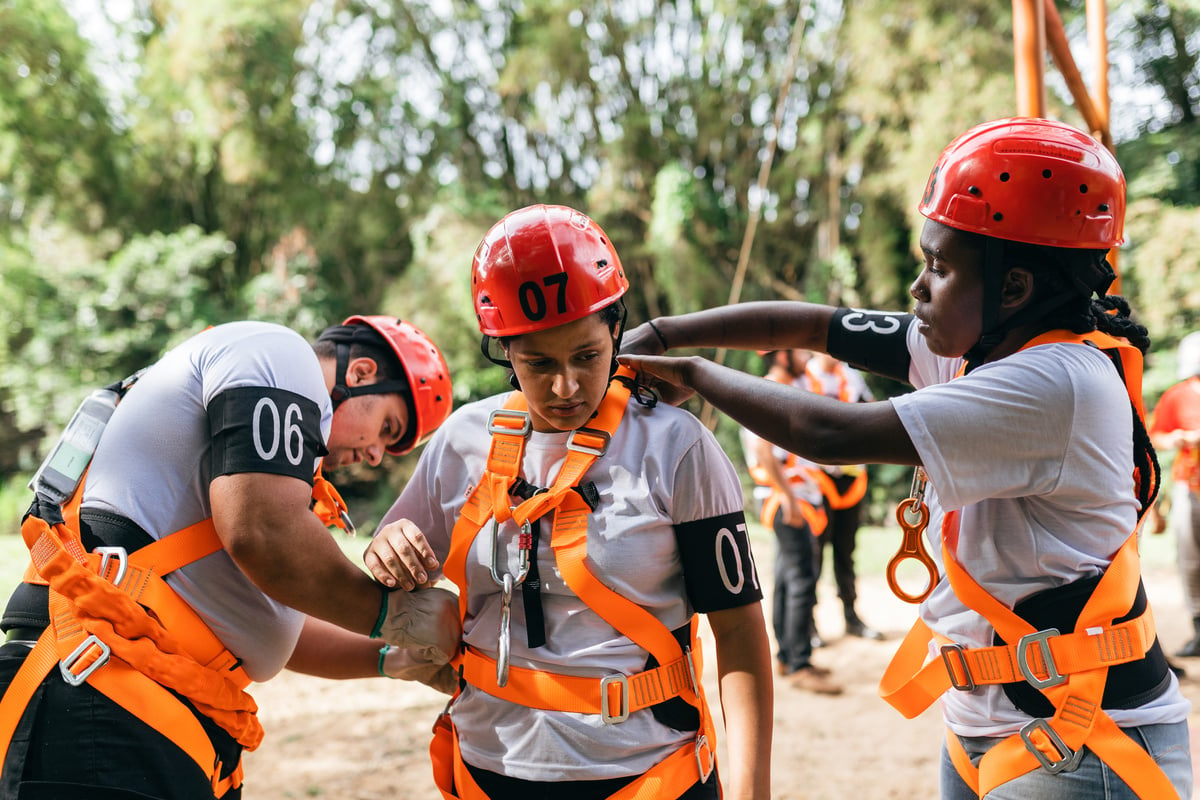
(876, 341)
(718, 566)
(265, 429)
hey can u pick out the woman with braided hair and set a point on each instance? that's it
(1027, 423)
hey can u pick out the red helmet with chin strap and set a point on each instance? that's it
(426, 388)
(543, 266)
(1029, 180)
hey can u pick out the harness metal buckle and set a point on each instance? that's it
(120, 555)
(504, 413)
(706, 759)
(66, 666)
(623, 712)
(968, 683)
(1068, 763)
(1053, 676)
(604, 437)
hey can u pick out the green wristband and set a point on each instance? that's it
(383, 651)
(383, 609)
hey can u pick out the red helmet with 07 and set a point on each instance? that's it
(543, 266)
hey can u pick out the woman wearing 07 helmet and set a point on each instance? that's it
(586, 527)
(1027, 423)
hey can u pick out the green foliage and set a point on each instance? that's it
(75, 325)
(299, 161)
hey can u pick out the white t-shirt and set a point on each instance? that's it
(662, 467)
(1036, 449)
(153, 466)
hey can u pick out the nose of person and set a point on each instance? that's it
(374, 454)
(917, 287)
(566, 383)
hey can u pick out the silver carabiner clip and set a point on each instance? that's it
(503, 638)
(507, 582)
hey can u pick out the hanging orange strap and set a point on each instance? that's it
(613, 697)
(816, 518)
(101, 632)
(839, 500)
(328, 504)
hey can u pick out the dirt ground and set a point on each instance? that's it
(368, 739)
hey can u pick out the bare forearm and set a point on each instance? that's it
(770, 325)
(327, 651)
(820, 429)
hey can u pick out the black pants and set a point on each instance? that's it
(840, 535)
(795, 593)
(75, 744)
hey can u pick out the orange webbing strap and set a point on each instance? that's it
(1078, 718)
(666, 780)
(911, 683)
(150, 702)
(838, 501)
(962, 762)
(816, 518)
(569, 541)
(328, 504)
(610, 697)
(92, 618)
(36, 666)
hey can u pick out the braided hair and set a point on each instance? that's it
(1059, 287)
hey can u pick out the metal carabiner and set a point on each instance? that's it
(503, 646)
(913, 545)
(507, 582)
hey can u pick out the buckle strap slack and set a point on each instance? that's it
(613, 697)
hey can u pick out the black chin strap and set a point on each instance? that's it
(341, 392)
(993, 279)
(1064, 286)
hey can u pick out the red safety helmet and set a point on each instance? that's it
(543, 266)
(428, 389)
(1029, 180)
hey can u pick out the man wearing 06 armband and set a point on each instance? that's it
(1028, 425)
(586, 527)
(191, 562)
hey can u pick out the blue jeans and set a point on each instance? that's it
(1092, 780)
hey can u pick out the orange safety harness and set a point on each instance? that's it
(117, 625)
(1069, 668)
(816, 517)
(855, 492)
(612, 697)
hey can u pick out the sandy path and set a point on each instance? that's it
(368, 740)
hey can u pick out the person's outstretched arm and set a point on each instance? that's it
(765, 325)
(821, 429)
